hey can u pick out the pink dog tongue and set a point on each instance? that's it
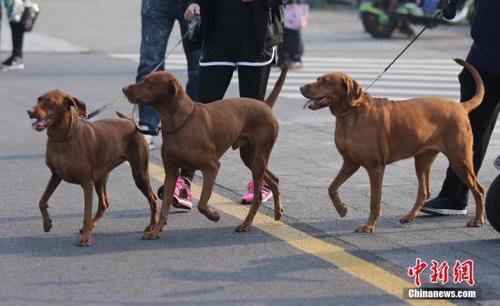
(307, 104)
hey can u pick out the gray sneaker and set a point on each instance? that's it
(441, 206)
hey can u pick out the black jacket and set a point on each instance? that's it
(267, 23)
(485, 51)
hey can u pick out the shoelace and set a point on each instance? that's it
(263, 187)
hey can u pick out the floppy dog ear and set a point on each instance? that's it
(353, 91)
(177, 90)
(79, 105)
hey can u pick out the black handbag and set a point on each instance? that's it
(28, 18)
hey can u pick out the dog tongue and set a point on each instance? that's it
(307, 104)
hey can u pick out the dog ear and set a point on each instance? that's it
(79, 105)
(353, 91)
(177, 91)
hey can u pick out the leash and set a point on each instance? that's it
(380, 75)
(193, 26)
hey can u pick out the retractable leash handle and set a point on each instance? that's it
(194, 28)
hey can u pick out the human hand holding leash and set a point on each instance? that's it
(191, 11)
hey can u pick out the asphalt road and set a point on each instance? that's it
(312, 258)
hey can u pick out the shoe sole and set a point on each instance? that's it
(264, 199)
(444, 212)
(7, 68)
(182, 204)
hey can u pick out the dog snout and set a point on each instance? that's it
(31, 113)
(303, 89)
(126, 90)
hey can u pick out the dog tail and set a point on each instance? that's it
(478, 96)
(123, 116)
(277, 87)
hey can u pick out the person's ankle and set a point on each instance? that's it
(187, 181)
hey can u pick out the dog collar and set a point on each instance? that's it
(178, 128)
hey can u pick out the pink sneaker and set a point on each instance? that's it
(182, 195)
(264, 191)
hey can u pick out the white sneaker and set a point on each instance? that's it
(149, 138)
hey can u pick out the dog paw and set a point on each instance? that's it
(407, 219)
(151, 235)
(475, 223)
(342, 211)
(47, 226)
(364, 229)
(243, 227)
(213, 216)
(278, 214)
(85, 242)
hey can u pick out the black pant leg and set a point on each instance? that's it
(483, 120)
(253, 81)
(17, 38)
(213, 82)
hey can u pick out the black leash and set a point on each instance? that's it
(104, 107)
(434, 18)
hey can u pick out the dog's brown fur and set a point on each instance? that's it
(196, 135)
(84, 153)
(373, 132)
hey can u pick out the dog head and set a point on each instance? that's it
(158, 89)
(335, 90)
(51, 108)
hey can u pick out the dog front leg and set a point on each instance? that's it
(168, 197)
(423, 164)
(209, 176)
(86, 239)
(43, 204)
(347, 170)
(376, 176)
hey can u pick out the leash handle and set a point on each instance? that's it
(434, 18)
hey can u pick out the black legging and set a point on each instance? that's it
(17, 38)
(213, 82)
(482, 120)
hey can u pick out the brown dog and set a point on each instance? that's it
(84, 153)
(196, 135)
(373, 132)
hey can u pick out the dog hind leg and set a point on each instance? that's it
(273, 182)
(462, 167)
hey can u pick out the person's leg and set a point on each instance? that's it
(17, 39)
(156, 25)
(15, 61)
(453, 196)
(253, 81)
(253, 84)
(213, 82)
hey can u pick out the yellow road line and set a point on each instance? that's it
(306, 243)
